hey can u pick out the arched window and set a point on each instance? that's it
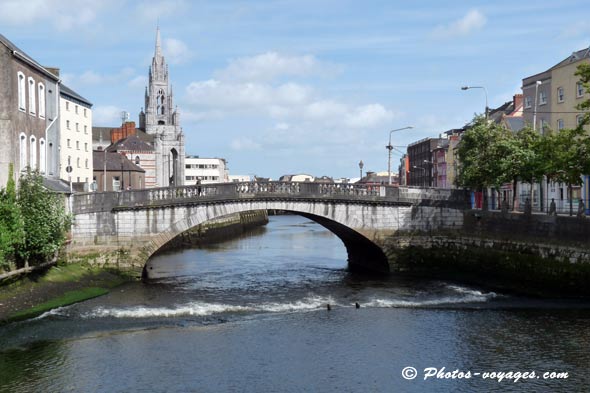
(23, 151)
(42, 156)
(41, 100)
(136, 160)
(160, 102)
(22, 103)
(33, 152)
(31, 95)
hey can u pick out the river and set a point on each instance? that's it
(250, 315)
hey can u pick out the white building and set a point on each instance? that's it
(239, 178)
(75, 137)
(207, 170)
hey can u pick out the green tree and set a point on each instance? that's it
(11, 223)
(482, 155)
(44, 218)
(583, 72)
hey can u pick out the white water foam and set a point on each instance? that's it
(465, 295)
(205, 309)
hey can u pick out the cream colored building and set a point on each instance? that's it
(75, 140)
(207, 170)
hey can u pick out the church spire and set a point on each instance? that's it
(158, 51)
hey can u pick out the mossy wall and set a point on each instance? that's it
(547, 256)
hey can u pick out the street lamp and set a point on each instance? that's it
(361, 165)
(537, 84)
(389, 147)
(484, 90)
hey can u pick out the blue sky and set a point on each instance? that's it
(300, 86)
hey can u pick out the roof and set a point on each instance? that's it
(26, 58)
(114, 161)
(514, 123)
(505, 109)
(56, 185)
(63, 89)
(104, 133)
(131, 143)
(575, 56)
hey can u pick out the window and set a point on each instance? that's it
(78, 162)
(579, 119)
(542, 98)
(77, 145)
(136, 160)
(559, 124)
(31, 96)
(68, 124)
(85, 128)
(33, 152)
(42, 155)
(67, 106)
(84, 116)
(579, 90)
(85, 146)
(116, 183)
(41, 88)
(86, 163)
(23, 151)
(77, 127)
(22, 103)
(560, 97)
(69, 160)
(527, 102)
(544, 126)
(76, 109)
(69, 143)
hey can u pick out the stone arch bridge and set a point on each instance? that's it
(125, 228)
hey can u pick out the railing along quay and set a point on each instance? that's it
(219, 192)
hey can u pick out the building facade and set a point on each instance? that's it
(115, 172)
(28, 113)
(206, 170)
(162, 120)
(75, 136)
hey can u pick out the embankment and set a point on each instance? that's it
(532, 254)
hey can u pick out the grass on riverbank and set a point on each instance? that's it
(59, 286)
(68, 298)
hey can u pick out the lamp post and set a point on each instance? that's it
(484, 90)
(430, 172)
(423, 169)
(361, 165)
(389, 148)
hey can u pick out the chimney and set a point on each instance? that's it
(53, 70)
(517, 100)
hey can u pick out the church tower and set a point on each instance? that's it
(162, 120)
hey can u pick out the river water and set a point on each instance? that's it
(250, 315)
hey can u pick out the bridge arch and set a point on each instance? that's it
(363, 253)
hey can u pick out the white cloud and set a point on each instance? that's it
(106, 115)
(271, 65)
(472, 21)
(176, 51)
(63, 14)
(93, 78)
(285, 102)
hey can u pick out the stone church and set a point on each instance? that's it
(162, 121)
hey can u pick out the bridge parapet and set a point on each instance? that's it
(210, 193)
